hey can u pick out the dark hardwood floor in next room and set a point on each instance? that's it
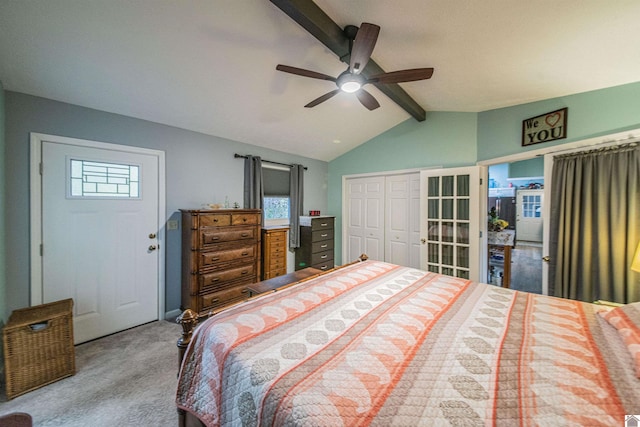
(526, 267)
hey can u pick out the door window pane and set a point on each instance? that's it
(92, 179)
(434, 186)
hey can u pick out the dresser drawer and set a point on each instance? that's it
(219, 278)
(212, 236)
(243, 254)
(319, 235)
(215, 220)
(321, 257)
(248, 219)
(214, 300)
(321, 224)
(323, 245)
(324, 265)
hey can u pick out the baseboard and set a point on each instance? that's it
(172, 314)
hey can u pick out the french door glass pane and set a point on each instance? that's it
(447, 208)
(447, 186)
(433, 208)
(463, 209)
(434, 186)
(463, 186)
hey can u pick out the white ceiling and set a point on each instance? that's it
(209, 65)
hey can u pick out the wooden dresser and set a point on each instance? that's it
(220, 256)
(274, 251)
(316, 243)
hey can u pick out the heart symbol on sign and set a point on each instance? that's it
(552, 119)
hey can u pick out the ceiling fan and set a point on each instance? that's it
(361, 43)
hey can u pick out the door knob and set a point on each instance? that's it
(423, 241)
(152, 247)
(546, 258)
(152, 235)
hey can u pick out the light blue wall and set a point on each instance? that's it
(199, 169)
(444, 139)
(3, 271)
(590, 114)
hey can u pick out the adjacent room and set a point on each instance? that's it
(419, 212)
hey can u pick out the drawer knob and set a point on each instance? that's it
(215, 219)
(324, 246)
(245, 271)
(245, 253)
(245, 234)
(323, 256)
(323, 235)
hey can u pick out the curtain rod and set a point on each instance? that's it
(240, 156)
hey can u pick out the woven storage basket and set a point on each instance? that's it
(38, 346)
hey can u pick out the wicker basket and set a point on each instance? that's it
(38, 346)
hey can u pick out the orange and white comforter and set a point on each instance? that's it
(379, 344)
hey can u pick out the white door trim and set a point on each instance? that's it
(613, 138)
(35, 211)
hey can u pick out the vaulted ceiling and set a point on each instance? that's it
(209, 65)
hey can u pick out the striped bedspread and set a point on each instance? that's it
(379, 344)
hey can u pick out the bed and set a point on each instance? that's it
(374, 343)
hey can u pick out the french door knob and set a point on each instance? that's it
(546, 258)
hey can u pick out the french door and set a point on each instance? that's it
(450, 222)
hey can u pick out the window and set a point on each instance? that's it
(90, 179)
(276, 194)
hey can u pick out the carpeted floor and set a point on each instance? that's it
(126, 379)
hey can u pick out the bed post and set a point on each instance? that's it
(188, 320)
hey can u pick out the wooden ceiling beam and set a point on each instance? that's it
(310, 17)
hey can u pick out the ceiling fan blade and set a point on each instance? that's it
(363, 45)
(402, 76)
(322, 98)
(367, 99)
(304, 73)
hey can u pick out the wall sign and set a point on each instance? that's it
(545, 128)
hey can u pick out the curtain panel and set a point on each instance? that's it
(253, 184)
(296, 199)
(595, 224)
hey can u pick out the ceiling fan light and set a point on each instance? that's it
(350, 87)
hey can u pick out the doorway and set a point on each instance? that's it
(99, 213)
(516, 192)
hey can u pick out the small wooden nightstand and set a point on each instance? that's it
(272, 285)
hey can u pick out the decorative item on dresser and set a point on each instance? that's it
(220, 256)
(274, 251)
(316, 243)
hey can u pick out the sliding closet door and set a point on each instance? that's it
(450, 223)
(364, 219)
(402, 222)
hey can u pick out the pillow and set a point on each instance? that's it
(626, 319)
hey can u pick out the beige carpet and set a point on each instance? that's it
(126, 379)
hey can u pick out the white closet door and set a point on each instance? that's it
(364, 218)
(402, 223)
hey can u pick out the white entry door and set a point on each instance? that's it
(529, 206)
(365, 218)
(100, 225)
(450, 222)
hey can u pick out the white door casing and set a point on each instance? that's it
(104, 252)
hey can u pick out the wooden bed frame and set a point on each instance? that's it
(189, 320)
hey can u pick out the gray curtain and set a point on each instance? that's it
(296, 198)
(253, 186)
(595, 224)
